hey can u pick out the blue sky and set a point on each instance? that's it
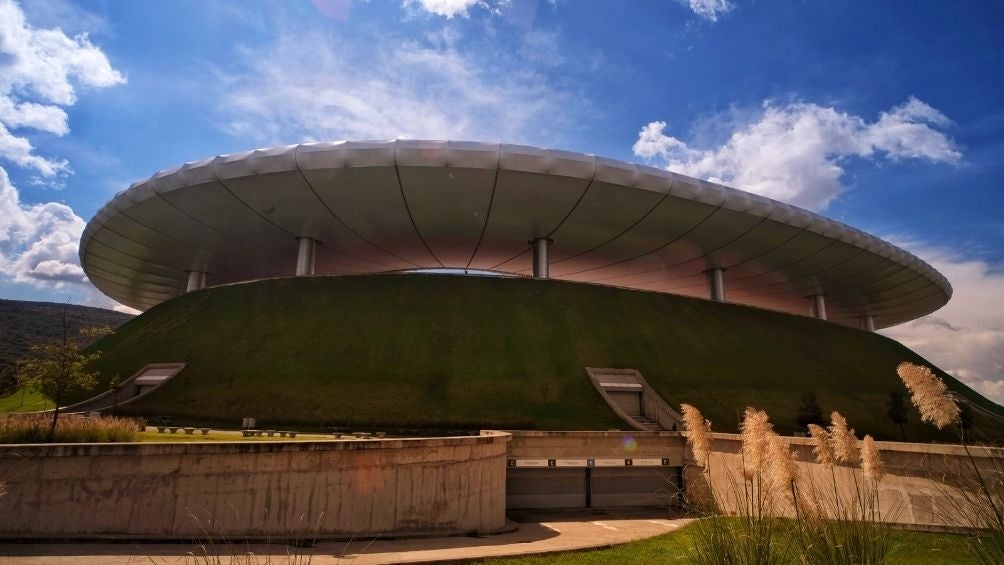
(886, 116)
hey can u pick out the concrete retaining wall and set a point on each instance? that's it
(920, 489)
(278, 490)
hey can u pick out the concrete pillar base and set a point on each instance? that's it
(196, 280)
(540, 259)
(817, 306)
(716, 284)
(306, 256)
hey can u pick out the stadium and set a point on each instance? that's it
(502, 328)
(443, 284)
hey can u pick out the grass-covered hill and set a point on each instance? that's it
(451, 351)
(23, 324)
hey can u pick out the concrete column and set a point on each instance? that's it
(817, 306)
(540, 261)
(196, 280)
(716, 284)
(868, 323)
(305, 256)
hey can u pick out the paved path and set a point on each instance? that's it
(537, 533)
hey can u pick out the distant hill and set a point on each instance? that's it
(23, 324)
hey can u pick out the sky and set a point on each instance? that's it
(885, 116)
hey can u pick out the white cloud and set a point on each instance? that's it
(794, 152)
(38, 72)
(38, 242)
(20, 151)
(709, 9)
(446, 8)
(316, 86)
(965, 337)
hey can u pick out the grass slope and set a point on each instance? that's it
(452, 351)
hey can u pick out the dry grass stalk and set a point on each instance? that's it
(822, 448)
(845, 444)
(699, 433)
(929, 394)
(780, 463)
(35, 428)
(871, 463)
(754, 431)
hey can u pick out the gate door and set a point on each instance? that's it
(634, 486)
(545, 488)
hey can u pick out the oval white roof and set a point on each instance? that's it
(380, 206)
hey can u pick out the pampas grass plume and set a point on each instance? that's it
(782, 463)
(871, 463)
(754, 431)
(699, 433)
(845, 444)
(929, 394)
(822, 448)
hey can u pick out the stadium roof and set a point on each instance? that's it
(407, 204)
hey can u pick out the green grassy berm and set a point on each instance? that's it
(449, 351)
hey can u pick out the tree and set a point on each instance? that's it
(57, 368)
(896, 409)
(809, 411)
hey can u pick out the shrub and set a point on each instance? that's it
(35, 428)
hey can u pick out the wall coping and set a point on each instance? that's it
(903, 447)
(586, 433)
(21, 450)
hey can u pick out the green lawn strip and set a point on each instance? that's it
(25, 400)
(441, 351)
(929, 548)
(216, 436)
(907, 548)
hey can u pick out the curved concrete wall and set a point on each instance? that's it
(276, 490)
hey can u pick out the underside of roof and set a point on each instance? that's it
(407, 204)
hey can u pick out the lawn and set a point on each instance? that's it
(153, 436)
(908, 548)
(25, 400)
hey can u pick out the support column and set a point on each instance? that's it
(540, 261)
(868, 323)
(716, 284)
(196, 280)
(305, 256)
(817, 306)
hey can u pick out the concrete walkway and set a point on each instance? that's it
(538, 532)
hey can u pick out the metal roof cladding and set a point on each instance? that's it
(383, 206)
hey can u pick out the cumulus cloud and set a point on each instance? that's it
(38, 242)
(709, 9)
(40, 70)
(317, 86)
(965, 337)
(795, 152)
